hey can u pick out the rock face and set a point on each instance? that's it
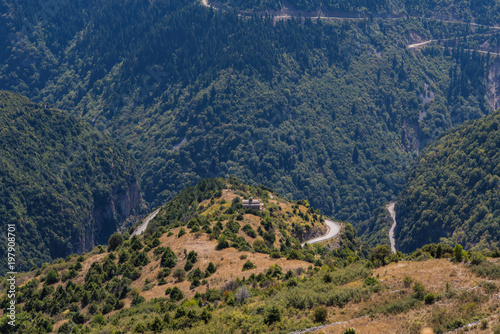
(108, 214)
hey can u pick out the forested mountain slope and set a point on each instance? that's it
(63, 185)
(452, 193)
(478, 11)
(329, 111)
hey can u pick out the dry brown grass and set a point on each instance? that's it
(433, 274)
(228, 261)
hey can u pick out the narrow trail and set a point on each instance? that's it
(141, 228)
(333, 230)
(390, 208)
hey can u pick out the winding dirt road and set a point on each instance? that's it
(141, 228)
(390, 208)
(333, 230)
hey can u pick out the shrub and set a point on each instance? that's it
(350, 331)
(407, 281)
(164, 273)
(294, 255)
(156, 326)
(115, 241)
(248, 265)
(273, 314)
(78, 318)
(188, 266)
(430, 298)
(99, 319)
(275, 254)
(249, 231)
(176, 294)
(489, 287)
(192, 256)
(179, 274)
(182, 231)
(242, 294)
(52, 277)
(487, 269)
(168, 259)
(137, 299)
(400, 306)
(211, 268)
(320, 314)
(136, 243)
(206, 315)
(419, 290)
(370, 280)
(140, 328)
(496, 329)
(458, 250)
(222, 243)
(477, 258)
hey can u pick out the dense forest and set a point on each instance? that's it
(328, 111)
(65, 186)
(452, 193)
(478, 11)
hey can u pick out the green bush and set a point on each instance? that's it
(52, 277)
(182, 231)
(222, 243)
(176, 294)
(168, 259)
(430, 298)
(179, 274)
(273, 315)
(320, 314)
(419, 290)
(248, 265)
(407, 281)
(350, 331)
(115, 241)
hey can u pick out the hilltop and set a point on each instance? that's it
(203, 241)
(208, 265)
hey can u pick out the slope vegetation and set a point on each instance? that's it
(202, 246)
(484, 12)
(209, 265)
(63, 185)
(328, 111)
(452, 193)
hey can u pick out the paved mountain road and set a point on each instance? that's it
(141, 228)
(390, 208)
(333, 230)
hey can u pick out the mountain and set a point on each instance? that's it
(65, 186)
(332, 111)
(452, 192)
(207, 264)
(482, 12)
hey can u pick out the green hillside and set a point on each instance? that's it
(452, 193)
(331, 111)
(65, 186)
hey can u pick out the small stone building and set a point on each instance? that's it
(252, 203)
